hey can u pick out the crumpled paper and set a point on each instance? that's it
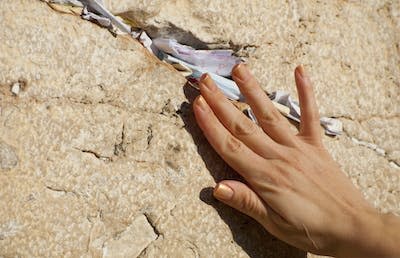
(218, 62)
(101, 20)
(68, 2)
(97, 7)
(94, 10)
(147, 42)
(332, 126)
(228, 87)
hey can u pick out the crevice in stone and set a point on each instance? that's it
(149, 135)
(80, 101)
(111, 103)
(120, 148)
(51, 188)
(171, 30)
(369, 145)
(97, 155)
(394, 163)
(142, 253)
(372, 146)
(364, 119)
(152, 224)
(242, 50)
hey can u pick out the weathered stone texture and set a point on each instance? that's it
(99, 151)
(8, 158)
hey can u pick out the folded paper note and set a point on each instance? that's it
(332, 126)
(218, 62)
(228, 87)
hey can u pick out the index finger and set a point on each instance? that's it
(247, 163)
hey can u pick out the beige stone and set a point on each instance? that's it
(8, 158)
(99, 149)
(132, 241)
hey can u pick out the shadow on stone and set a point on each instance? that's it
(247, 233)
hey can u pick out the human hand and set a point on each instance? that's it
(293, 186)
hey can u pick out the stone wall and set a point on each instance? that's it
(99, 151)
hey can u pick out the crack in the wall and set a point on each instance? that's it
(63, 100)
(60, 190)
(87, 101)
(242, 50)
(149, 135)
(369, 145)
(168, 29)
(97, 155)
(372, 146)
(152, 224)
(367, 118)
(120, 148)
(156, 231)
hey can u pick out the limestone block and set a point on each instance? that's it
(99, 150)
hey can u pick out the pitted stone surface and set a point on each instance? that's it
(8, 157)
(100, 154)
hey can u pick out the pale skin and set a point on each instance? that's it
(292, 186)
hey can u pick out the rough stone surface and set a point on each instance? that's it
(8, 158)
(99, 149)
(132, 241)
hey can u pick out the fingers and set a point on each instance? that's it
(247, 163)
(240, 197)
(309, 125)
(236, 122)
(269, 118)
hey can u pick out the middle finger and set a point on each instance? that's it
(236, 122)
(269, 118)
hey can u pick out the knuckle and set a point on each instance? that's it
(270, 118)
(232, 145)
(243, 128)
(247, 203)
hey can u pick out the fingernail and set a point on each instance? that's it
(201, 102)
(241, 72)
(203, 76)
(301, 71)
(223, 192)
(207, 82)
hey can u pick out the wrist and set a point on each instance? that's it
(373, 235)
(388, 237)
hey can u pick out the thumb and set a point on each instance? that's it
(240, 197)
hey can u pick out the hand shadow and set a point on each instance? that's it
(247, 233)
